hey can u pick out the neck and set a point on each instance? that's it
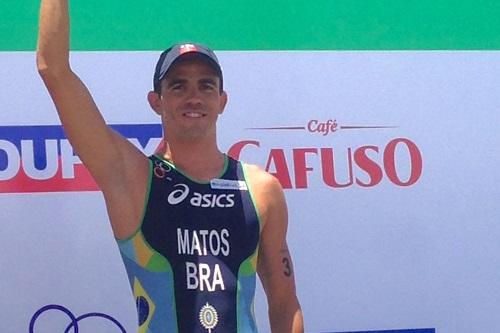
(199, 160)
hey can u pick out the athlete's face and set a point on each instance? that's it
(190, 100)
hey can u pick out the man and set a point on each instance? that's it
(192, 224)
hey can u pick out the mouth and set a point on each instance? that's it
(193, 114)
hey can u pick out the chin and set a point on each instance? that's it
(193, 134)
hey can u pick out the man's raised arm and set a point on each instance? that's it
(117, 166)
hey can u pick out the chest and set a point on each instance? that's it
(190, 220)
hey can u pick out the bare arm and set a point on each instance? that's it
(117, 166)
(274, 265)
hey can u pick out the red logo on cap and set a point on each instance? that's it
(187, 48)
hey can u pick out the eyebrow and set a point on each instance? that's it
(175, 81)
(208, 80)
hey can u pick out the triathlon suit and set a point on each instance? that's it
(192, 262)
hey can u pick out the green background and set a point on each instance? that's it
(265, 25)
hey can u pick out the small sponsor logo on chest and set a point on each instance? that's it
(228, 184)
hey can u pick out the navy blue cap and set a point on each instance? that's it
(176, 52)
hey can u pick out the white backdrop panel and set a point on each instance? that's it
(378, 257)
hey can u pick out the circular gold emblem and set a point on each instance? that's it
(208, 317)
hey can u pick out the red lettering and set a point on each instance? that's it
(314, 126)
(277, 164)
(311, 126)
(277, 157)
(390, 162)
(235, 150)
(369, 166)
(328, 163)
(300, 166)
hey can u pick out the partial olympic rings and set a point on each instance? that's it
(74, 320)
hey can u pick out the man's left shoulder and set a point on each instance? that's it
(268, 196)
(260, 180)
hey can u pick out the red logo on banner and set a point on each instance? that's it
(323, 127)
(361, 168)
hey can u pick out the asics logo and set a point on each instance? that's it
(177, 196)
(181, 192)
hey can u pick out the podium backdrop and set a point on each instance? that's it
(381, 121)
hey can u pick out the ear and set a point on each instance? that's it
(223, 102)
(154, 100)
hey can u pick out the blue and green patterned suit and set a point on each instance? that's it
(192, 262)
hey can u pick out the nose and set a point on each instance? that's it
(193, 98)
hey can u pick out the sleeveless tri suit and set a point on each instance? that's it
(192, 262)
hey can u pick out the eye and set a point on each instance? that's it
(208, 87)
(176, 85)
